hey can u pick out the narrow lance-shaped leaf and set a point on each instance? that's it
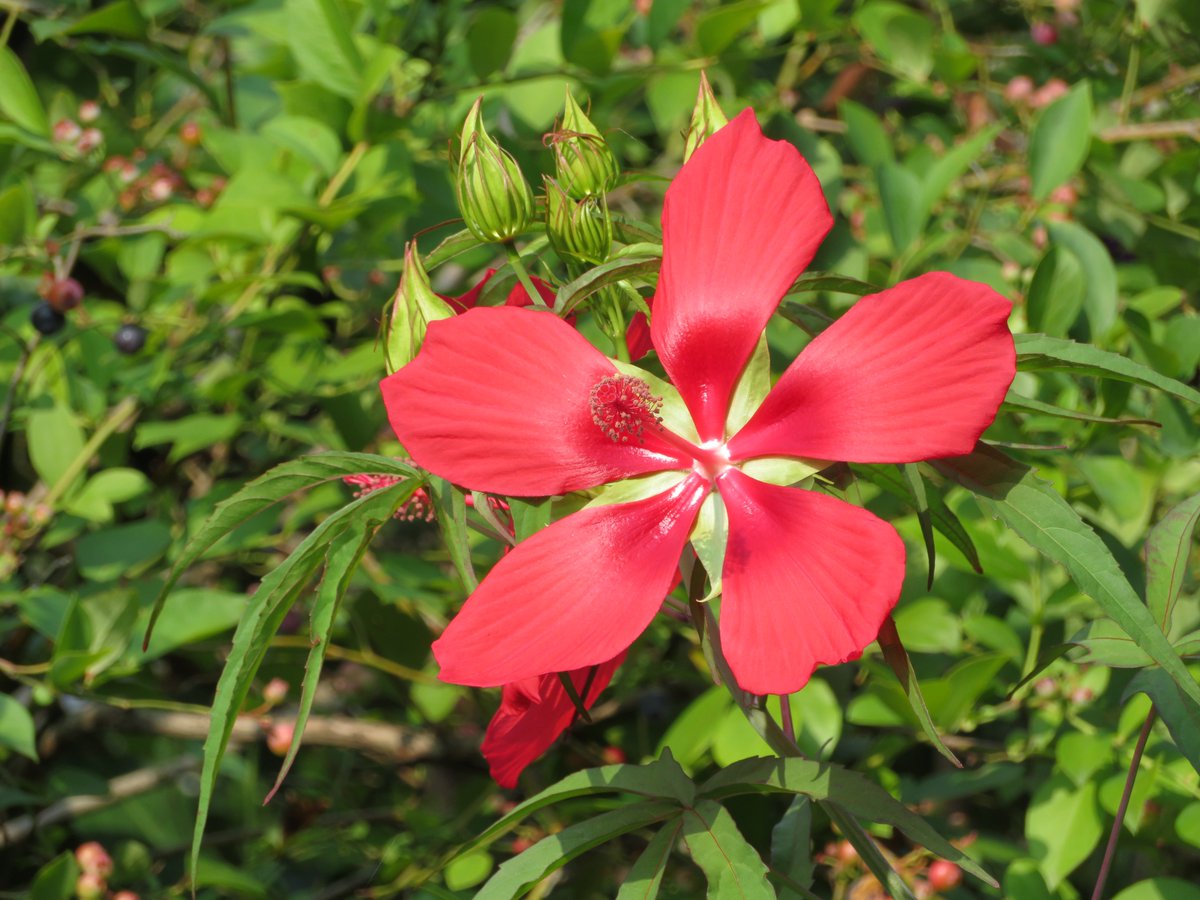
(277, 485)
(896, 657)
(514, 878)
(1015, 402)
(451, 508)
(733, 868)
(571, 294)
(916, 487)
(1181, 717)
(269, 604)
(1167, 553)
(1040, 351)
(645, 878)
(791, 847)
(868, 851)
(1044, 520)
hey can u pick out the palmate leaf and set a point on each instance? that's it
(1039, 351)
(1044, 520)
(733, 868)
(277, 485)
(645, 878)
(849, 790)
(515, 877)
(264, 614)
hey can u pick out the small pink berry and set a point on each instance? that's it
(943, 875)
(276, 691)
(612, 755)
(190, 133)
(1044, 34)
(1045, 687)
(93, 858)
(90, 886)
(125, 895)
(279, 737)
(66, 131)
(89, 140)
(521, 844)
(89, 111)
(1064, 194)
(1018, 89)
(160, 189)
(1082, 695)
(1048, 93)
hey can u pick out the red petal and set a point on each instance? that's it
(808, 580)
(533, 713)
(574, 594)
(498, 401)
(741, 220)
(637, 337)
(470, 299)
(518, 296)
(915, 372)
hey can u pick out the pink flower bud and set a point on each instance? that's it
(612, 755)
(89, 111)
(1044, 34)
(190, 133)
(89, 140)
(279, 737)
(66, 131)
(1019, 89)
(276, 691)
(125, 895)
(90, 886)
(94, 859)
(1048, 93)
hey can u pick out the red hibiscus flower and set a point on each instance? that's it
(515, 402)
(518, 296)
(533, 713)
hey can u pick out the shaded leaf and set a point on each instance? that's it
(897, 658)
(575, 292)
(1168, 549)
(1179, 715)
(733, 868)
(1039, 351)
(645, 877)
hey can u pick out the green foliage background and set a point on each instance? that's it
(258, 169)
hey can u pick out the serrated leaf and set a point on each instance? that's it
(515, 877)
(278, 484)
(1039, 351)
(897, 658)
(733, 868)
(645, 877)
(571, 294)
(825, 781)
(264, 614)
(1044, 520)
(1168, 549)
(791, 846)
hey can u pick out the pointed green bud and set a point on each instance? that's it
(493, 195)
(707, 118)
(578, 229)
(413, 308)
(583, 162)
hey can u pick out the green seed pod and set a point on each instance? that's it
(493, 195)
(578, 229)
(413, 308)
(583, 162)
(707, 118)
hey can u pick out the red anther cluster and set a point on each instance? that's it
(622, 407)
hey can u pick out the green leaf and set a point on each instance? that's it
(55, 440)
(901, 36)
(719, 27)
(897, 659)
(708, 537)
(318, 34)
(752, 387)
(95, 499)
(1062, 827)
(662, 779)
(868, 140)
(17, 212)
(107, 555)
(1014, 402)
(188, 434)
(823, 281)
(346, 550)
(691, 734)
(467, 871)
(450, 505)
(1045, 521)
(733, 868)
(1161, 888)
(56, 880)
(645, 877)
(1060, 141)
(1100, 275)
(791, 846)
(1038, 351)
(868, 851)
(903, 207)
(515, 877)
(916, 487)
(952, 165)
(1056, 293)
(592, 31)
(276, 594)
(19, 101)
(1187, 824)
(119, 19)
(825, 781)
(1168, 549)
(490, 39)
(281, 483)
(571, 294)
(16, 727)
(1180, 716)
(307, 138)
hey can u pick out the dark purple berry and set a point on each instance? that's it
(47, 319)
(130, 338)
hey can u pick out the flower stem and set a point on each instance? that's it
(1111, 849)
(514, 260)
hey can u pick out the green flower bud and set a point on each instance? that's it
(493, 195)
(583, 161)
(413, 308)
(578, 229)
(707, 118)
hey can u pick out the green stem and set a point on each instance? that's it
(514, 260)
(115, 419)
(9, 21)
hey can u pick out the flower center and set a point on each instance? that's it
(623, 408)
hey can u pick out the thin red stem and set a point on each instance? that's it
(1110, 851)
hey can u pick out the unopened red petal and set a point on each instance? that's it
(915, 372)
(741, 220)
(518, 296)
(533, 713)
(574, 594)
(498, 401)
(807, 581)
